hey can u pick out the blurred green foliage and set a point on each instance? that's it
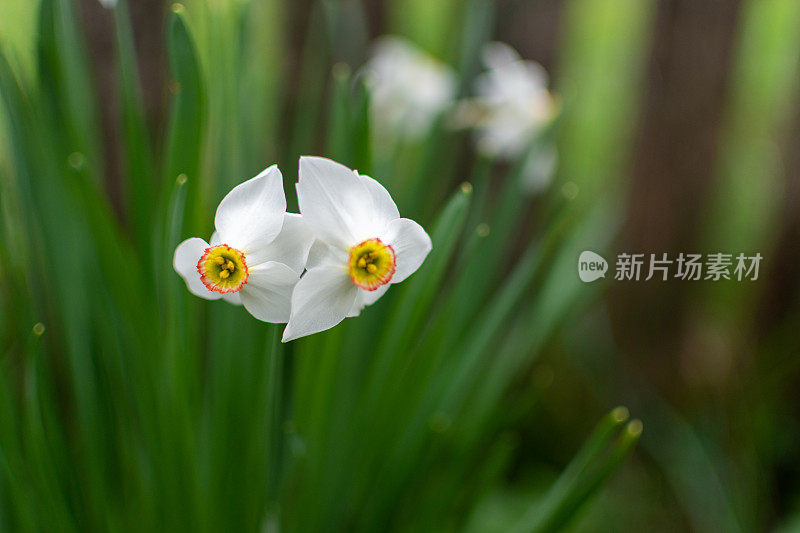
(131, 405)
(128, 404)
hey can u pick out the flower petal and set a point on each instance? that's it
(232, 298)
(322, 298)
(290, 247)
(411, 245)
(385, 208)
(322, 254)
(335, 203)
(268, 292)
(187, 254)
(319, 254)
(366, 298)
(496, 55)
(252, 213)
(370, 297)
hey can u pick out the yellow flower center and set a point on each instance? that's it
(371, 264)
(223, 269)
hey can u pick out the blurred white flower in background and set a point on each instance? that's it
(539, 168)
(409, 88)
(109, 4)
(515, 100)
(511, 107)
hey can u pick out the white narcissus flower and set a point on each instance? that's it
(256, 255)
(362, 246)
(512, 105)
(516, 102)
(408, 87)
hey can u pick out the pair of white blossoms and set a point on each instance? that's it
(312, 270)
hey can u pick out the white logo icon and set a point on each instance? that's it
(591, 266)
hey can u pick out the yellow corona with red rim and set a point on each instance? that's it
(223, 269)
(372, 264)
